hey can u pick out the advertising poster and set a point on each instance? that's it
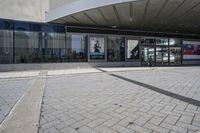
(191, 50)
(97, 48)
(132, 49)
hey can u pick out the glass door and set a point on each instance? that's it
(148, 56)
(162, 56)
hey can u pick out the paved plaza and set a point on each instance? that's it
(11, 90)
(113, 100)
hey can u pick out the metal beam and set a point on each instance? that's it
(144, 15)
(103, 16)
(76, 19)
(116, 14)
(173, 12)
(159, 12)
(90, 18)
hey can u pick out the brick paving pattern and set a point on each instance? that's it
(10, 91)
(101, 103)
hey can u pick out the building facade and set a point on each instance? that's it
(112, 33)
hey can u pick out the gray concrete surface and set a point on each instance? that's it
(10, 92)
(103, 100)
(24, 117)
(102, 103)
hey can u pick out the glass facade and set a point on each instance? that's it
(6, 46)
(53, 44)
(76, 48)
(27, 47)
(24, 42)
(115, 48)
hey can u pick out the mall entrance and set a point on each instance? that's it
(148, 56)
(160, 52)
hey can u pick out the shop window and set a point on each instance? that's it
(162, 41)
(27, 47)
(6, 46)
(175, 55)
(76, 48)
(174, 42)
(148, 41)
(53, 43)
(53, 47)
(97, 48)
(132, 49)
(115, 48)
(162, 57)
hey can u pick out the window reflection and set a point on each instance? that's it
(53, 47)
(175, 55)
(174, 42)
(162, 41)
(148, 41)
(76, 47)
(162, 56)
(115, 48)
(27, 47)
(6, 46)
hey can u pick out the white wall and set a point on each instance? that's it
(57, 3)
(24, 10)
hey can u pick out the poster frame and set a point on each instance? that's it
(105, 48)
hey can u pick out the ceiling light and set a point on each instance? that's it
(114, 26)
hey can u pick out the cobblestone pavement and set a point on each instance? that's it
(10, 91)
(101, 103)
(183, 81)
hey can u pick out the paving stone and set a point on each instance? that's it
(11, 90)
(174, 128)
(156, 120)
(69, 130)
(188, 126)
(156, 128)
(104, 129)
(111, 122)
(122, 129)
(186, 119)
(95, 122)
(142, 120)
(80, 123)
(86, 129)
(171, 119)
(139, 129)
(103, 103)
(104, 116)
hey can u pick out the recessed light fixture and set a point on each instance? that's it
(114, 26)
(131, 19)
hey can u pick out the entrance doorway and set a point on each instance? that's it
(162, 56)
(148, 56)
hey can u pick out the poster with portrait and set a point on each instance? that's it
(97, 48)
(132, 49)
(191, 50)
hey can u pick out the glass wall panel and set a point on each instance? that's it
(148, 41)
(27, 47)
(148, 56)
(115, 48)
(132, 49)
(162, 41)
(162, 56)
(53, 47)
(6, 46)
(174, 42)
(175, 55)
(76, 48)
